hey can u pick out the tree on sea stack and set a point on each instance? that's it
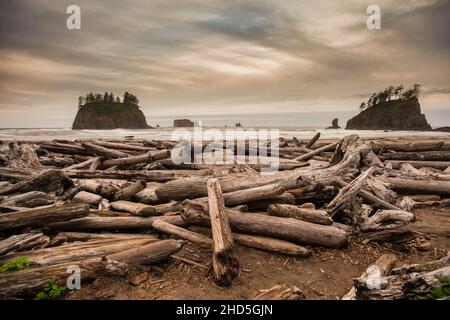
(102, 111)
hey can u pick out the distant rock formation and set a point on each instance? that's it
(238, 125)
(391, 115)
(183, 123)
(334, 124)
(442, 129)
(109, 116)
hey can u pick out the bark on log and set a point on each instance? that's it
(261, 243)
(149, 253)
(21, 242)
(441, 165)
(313, 140)
(65, 149)
(395, 235)
(224, 261)
(106, 190)
(347, 192)
(415, 156)
(121, 146)
(41, 217)
(48, 181)
(104, 152)
(315, 152)
(182, 233)
(128, 192)
(88, 198)
(137, 209)
(145, 158)
(294, 230)
(381, 267)
(93, 223)
(29, 281)
(305, 213)
(410, 186)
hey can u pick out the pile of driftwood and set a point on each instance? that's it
(103, 205)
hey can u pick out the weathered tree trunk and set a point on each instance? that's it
(145, 158)
(315, 152)
(347, 192)
(23, 242)
(148, 253)
(29, 281)
(305, 212)
(104, 152)
(382, 266)
(47, 181)
(41, 217)
(113, 223)
(106, 190)
(441, 165)
(394, 235)
(128, 192)
(416, 156)
(411, 186)
(182, 233)
(88, 198)
(294, 230)
(137, 209)
(121, 146)
(224, 260)
(313, 140)
(262, 243)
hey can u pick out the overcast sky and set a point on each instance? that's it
(196, 57)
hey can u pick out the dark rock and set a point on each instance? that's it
(110, 116)
(182, 123)
(334, 124)
(391, 115)
(238, 125)
(442, 129)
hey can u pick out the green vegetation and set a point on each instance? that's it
(15, 264)
(51, 290)
(440, 292)
(106, 103)
(391, 92)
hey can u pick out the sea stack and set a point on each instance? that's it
(183, 123)
(391, 115)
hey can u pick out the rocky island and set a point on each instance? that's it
(183, 123)
(96, 111)
(382, 112)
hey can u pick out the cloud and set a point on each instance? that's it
(198, 56)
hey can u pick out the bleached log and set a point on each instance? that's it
(305, 212)
(313, 140)
(381, 267)
(93, 223)
(411, 186)
(41, 216)
(289, 229)
(48, 181)
(128, 192)
(224, 261)
(386, 219)
(347, 192)
(182, 233)
(317, 151)
(137, 209)
(145, 158)
(88, 198)
(21, 242)
(441, 165)
(104, 152)
(102, 188)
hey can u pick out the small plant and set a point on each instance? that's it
(51, 290)
(15, 264)
(442, 291)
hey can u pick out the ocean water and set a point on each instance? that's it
(167, 133)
